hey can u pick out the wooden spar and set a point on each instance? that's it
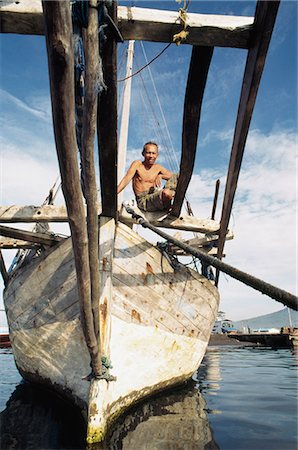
(197, 77)
(3, 270)
(215, 199)
(25, 17)
(107, 123)
(92, 67)
(265, 16)
(123, 135)
(36, 238)
(58, 32)
(277, 294)
(12, 243)
(52, 213)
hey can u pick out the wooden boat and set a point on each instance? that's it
(152, 321)
(161, 323)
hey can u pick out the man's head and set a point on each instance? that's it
(150, 152)
(149, 144)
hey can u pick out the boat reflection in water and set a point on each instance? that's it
(176, 420)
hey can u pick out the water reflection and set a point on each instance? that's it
(35, 419)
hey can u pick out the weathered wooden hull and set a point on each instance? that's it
(161, 324)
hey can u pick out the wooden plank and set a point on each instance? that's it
(106, 251)
(52, 213)
(25, 17)
(10, 243)
(107, 119)
(58, 30)
(37, 238)
(265, 16)
(197, 77)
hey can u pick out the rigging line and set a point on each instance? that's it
(160, 107)
(146, 65)
(159, 132)
(162, 114)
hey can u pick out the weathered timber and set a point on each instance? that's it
(98, 388)
(265, 16)
(3, 270)
(58, 32)
(25, 17)
(92, 68)
(277, 294)
(11, 243)
(215, 199)
(30, 236)
(52, 213)
(197, 77)
(107, 122)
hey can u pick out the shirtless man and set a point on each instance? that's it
(146, 179)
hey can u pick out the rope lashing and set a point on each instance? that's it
(105, 371)
(182, 36)
(276, 293)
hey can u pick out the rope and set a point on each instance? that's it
(146, 65)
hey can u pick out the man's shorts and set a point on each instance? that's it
(152, 200)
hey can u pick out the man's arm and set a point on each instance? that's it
(164, 173)
(128, 176)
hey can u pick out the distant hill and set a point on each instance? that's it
(277, 319)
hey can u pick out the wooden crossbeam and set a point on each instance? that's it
(30, 236)
(7, 243)
(25, 17)
(265, 16)
(107, 119)
(197, 77)
(52, 213)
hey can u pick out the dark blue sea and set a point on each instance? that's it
(240, 398)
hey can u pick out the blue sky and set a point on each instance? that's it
(264, 218)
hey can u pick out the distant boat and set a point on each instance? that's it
(271, 337)
(4, 340)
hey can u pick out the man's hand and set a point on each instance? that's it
(157, 181)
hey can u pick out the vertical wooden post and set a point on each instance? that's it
(92, 62)
(196, 82)
(107, 123)
(215, 199)
(3, 270)
(58, 31)
(265, 16)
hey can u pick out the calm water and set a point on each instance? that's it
(241, 398)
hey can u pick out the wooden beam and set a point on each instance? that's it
(107, 123)
(25, 17)
(93, 66)
(36, 238)
(197, 77)
(7, 243)
(52, 213)
(266, 12)
(58, 32)
(3, 270)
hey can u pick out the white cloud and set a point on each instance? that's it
(40, 105)
(263, 220)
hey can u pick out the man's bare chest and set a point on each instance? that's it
(147, 175)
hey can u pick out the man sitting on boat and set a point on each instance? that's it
(146, 179)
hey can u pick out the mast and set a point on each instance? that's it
(122, 147)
